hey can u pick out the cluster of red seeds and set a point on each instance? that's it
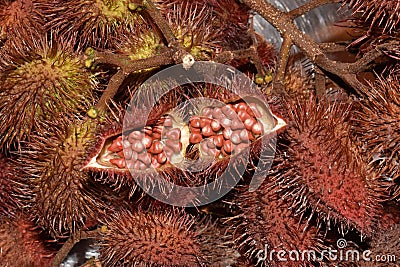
(222, 131)
(219, 131)
(152, 146)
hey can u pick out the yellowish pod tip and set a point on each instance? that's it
(103, 229)
(268, 78)
(89, 63)
(92, 113)
(89, 51)
(259, 79)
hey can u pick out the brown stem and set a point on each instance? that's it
(320, 85)
(126, 66)
(70, 243)
(284, 53)
(332, 47)
(301, 10)
(283, 23)
(113, 85)
(235, 54)
(160, 22)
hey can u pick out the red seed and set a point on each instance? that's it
(148, 130)
(174, 134)
(215, 126)
(207, 112)
(168, 122)
(218, 140)
(116, 145)
(120, 154)
(156, 147)
(204, 122)
(241, 106)
(156, 136)
(195, 138)
(214, 152)
(158, 129)
(244, 136)
(235, 137)
(143, 166)
(136, 165)
(250, 112)
(257, 129)
(229, 112)
(169, 153)
(175, 145)
(147, 141)
(237, 124)
(217, 113)
(227, 147)
(119, 162)
(195, 121)
(243, 115)
(204, 147)
(226, 122)
(227, 132)
(231, 107)
(194, 130)
(135, 135)
(210, 144)
(155, 163)
(145, 158)
(250, 135)
(126, 144)
(127, 154)
(207, 131)
(161, 158)
(256, 111)
(134, 156)
(249, 123)
(137, 146)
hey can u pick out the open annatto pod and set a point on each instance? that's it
(173, 141)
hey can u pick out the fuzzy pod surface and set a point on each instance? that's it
(23, 244)
(319, 168)
(63, 195)
(267, 224)
(36, 82)
(161, 237)
(95, 23)
(14, 191)
(376, 127)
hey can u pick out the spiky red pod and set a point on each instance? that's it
(14, 191)
(64, 195)
(266, 224)
(19, 20)
(230, 32)
(318, 167)
(94, 23)
(190, 23)
(233, 19)
(23, 244)
(36, 81)
(376, 126)
(162, 237)
(382, 14)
